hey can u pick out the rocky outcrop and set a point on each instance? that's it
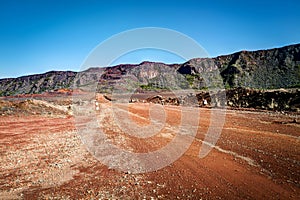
(275, 100)
(279, 100)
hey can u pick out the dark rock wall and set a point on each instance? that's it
(275, 100)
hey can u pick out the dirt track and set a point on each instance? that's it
(256, 157)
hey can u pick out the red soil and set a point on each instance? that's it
(256, 157)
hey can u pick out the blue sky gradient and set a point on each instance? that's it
(41, 35)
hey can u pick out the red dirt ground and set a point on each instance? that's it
(256, 157)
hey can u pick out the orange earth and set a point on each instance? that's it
(256, 157)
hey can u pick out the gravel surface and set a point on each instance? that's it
(256, 157)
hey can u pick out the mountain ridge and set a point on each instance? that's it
(261, 69)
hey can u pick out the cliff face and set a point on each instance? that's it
(264, 69)
(36, 83)
(275, 68)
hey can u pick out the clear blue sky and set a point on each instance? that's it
(42, 35)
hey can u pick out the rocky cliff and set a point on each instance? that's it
(264, 69)
(37, 83)
(275, 68)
